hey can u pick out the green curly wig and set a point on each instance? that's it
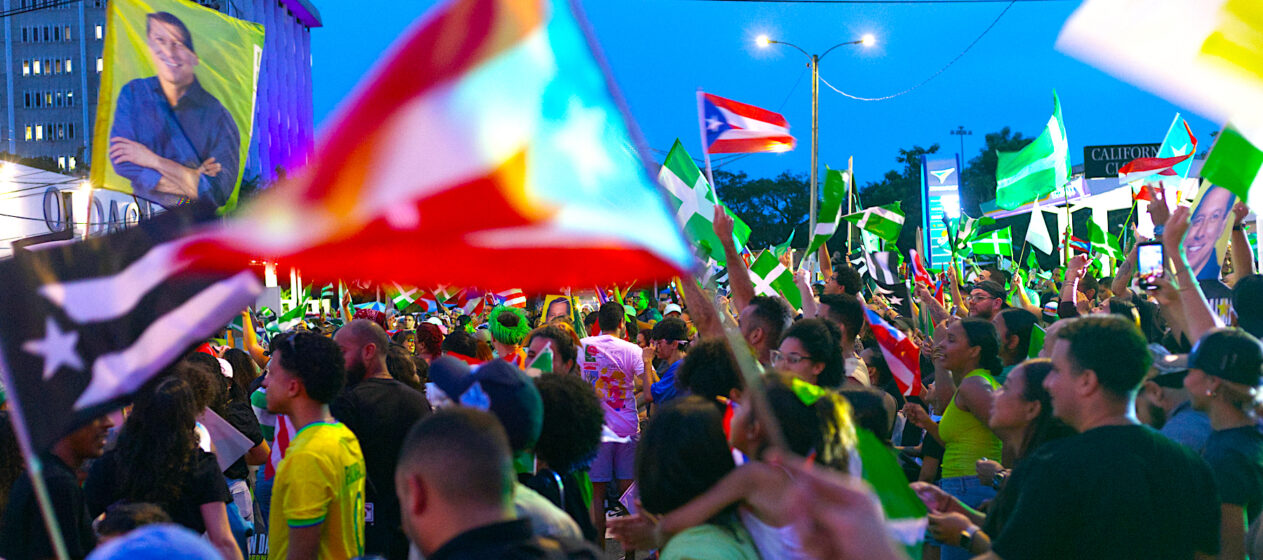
(508, 325)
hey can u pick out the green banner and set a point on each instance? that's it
(176, 103)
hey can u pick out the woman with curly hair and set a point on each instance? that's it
(568, 441)
(158, 461)
(811, 350)
(429, 341)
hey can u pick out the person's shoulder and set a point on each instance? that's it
(711, 541)
(139, 84)
(546, 518)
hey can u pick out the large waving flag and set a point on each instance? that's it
(731, 127)
(1200, 54)
(835, 188)
(902, 354)
(771, 278)
(1036, 170)
(883, 221)
(489, 149)
(694, 201)
(1174, 159)
(998, 242)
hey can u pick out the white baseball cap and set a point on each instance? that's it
(671, 308)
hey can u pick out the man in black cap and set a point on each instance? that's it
(1225, 373)
(986, 298)
(1165, 404)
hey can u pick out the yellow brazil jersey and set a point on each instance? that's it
(320, 481)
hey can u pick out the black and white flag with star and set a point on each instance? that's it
(86, 324)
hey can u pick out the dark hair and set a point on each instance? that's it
(316, 361)
(823, 428)
(682, 454)
(400, 366)
(157, 447)
(244, 372)
(868, 409)
(401, 337)
(564, 347)
(709, 370)
(1020, 323)
(878, 370)
(124, 517)
(1001, 277)
(210, 387)
(1045, 427)
(572, 424)
(429, 338)
(981, 333)
(1088, 282)
(1110, 346)
(460, 342)
(772, 314)
(821, 340)
(846, 311)
(464, 455)
(10, 457)
(1123, 307)
(848, 278)
(610, 316)
(671, 328)
(168, 18)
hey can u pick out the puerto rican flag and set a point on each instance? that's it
(902, 355)
(919, 273)
(512, 298)
(1080, 246)
(734, 127)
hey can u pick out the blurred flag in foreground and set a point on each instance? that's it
(1201, 54)
(486, 149)
(1236, 164)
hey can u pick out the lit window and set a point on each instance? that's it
(57, 66)
(48, 99)
(26, 68)
(28, 133)
(100, 31)
(36, 67)
(61, 132)
(100, 64)
(73, 163)
(65, 34)
(61, 162)
(70, 99)
(39, 132)
(61, 100)
(67, 65)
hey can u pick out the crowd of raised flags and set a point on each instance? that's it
(587, 299)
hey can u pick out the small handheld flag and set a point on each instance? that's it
(902, 355)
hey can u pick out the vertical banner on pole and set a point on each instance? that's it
(940, 199)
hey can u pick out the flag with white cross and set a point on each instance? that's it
(771, 278)
(694, 202)
(883, 221)
(998, 242)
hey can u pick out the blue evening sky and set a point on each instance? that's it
(662, 51)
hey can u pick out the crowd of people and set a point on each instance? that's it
(1096, 420)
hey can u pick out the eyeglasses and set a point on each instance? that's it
(981, 297)
(791, 359)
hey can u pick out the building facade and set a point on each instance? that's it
(52, 71)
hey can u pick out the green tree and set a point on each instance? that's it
(978, 178)
(771, 207)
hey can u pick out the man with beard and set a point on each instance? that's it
(378, 410)
(1167, 406)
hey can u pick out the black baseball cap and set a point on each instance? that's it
(1171, 368)
(1230, 354)
(993, 288)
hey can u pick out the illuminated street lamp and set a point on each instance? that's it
(763, 41)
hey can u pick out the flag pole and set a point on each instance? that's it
(701, 127)
(34, 468)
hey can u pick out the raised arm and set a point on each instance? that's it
(1197, 314)
(1242, 256)
(738, 273)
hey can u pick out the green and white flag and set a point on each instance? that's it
(780, 250)
(1236, 164)
(998, 242)
(694, 202)
(1036, 170)
(883, 221)
(288, 320)
(771, 278)
(403, 298)
(835, 187)
(328, 292)
(1037, 232)
(906, 515)
(1104, 243)
(1037, 341)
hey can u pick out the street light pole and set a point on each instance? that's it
(962, 133)
(764, 41)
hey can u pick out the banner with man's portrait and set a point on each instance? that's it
(176, 105)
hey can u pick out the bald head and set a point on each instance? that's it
(364, 346)
(362, 332)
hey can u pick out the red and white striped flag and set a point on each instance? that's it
(512, 298)
(732, 127)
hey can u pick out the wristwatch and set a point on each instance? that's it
(967, 537)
